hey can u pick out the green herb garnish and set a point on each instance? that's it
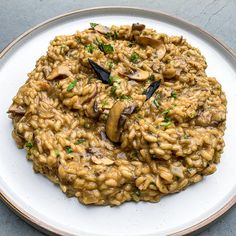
(134, 57)
(109, 35)
(69, 150)
(167, 124)
(115, 35)
(113, 89)
(186, 136)
(110, 80)
(156, 103)
(124, 97)
(93, 25)
(71, 85)
(29, 145)
(90, 48)
(134, 155)
(106, 48)
(166, 112)
(104, 103)
(151, 77)
(79, 141)
(173, 94)
(110, 64)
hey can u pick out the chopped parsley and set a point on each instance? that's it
(110, 80)
(71, 85)
(134, 155)
(167, 124)
(93, 25)
(166, 112)
(90, 48)
(29, 145)
(69, 150)
(173, 94)
(115, 35)
(106, 48)
(109, 34)
(151, 77)
(110, 64)
(134, 57)
(156, 103)
(78, 40)
(124, 97)
(113, 89)
(79, 141)
(186, 136)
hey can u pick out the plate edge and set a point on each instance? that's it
(50, 229)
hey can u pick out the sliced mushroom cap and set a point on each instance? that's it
(145, 40)
(137, 26)
(60, 71)
(102, 161)
(161, 51)
(16, 109)
(91, 109)
(119, 109)
(139, 75)
(102, 29)
(155, 43)
(136, 30)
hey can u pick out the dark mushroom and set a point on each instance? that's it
(116, 114)
(102, 73)
(61, 71)
(152, 88)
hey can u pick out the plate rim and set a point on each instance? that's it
(49, 229)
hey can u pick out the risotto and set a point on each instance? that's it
(120, 114)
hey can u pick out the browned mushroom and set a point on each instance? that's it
(155, 43)
(102, 161)
(91, 110)
(117, 117)
(136, 30)
(102, 29)
(137, 26)
(62, 71)
(16, 109)
(138, 74)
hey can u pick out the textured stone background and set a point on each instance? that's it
(215, 16)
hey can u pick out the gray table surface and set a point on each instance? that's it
(215, 16)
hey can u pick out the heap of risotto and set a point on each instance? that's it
(111, 141)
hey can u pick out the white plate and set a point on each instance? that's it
(43, 204)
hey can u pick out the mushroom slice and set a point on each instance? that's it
(102, 161)
(16, 109)
(155, 43)
(91, 109)
(60, 71)
(102, 29)
(137, 26)
(161, 51)
(145, 40)
(138, 74)
(136, 30)
(113, 125)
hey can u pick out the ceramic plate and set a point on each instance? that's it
(43, 204)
